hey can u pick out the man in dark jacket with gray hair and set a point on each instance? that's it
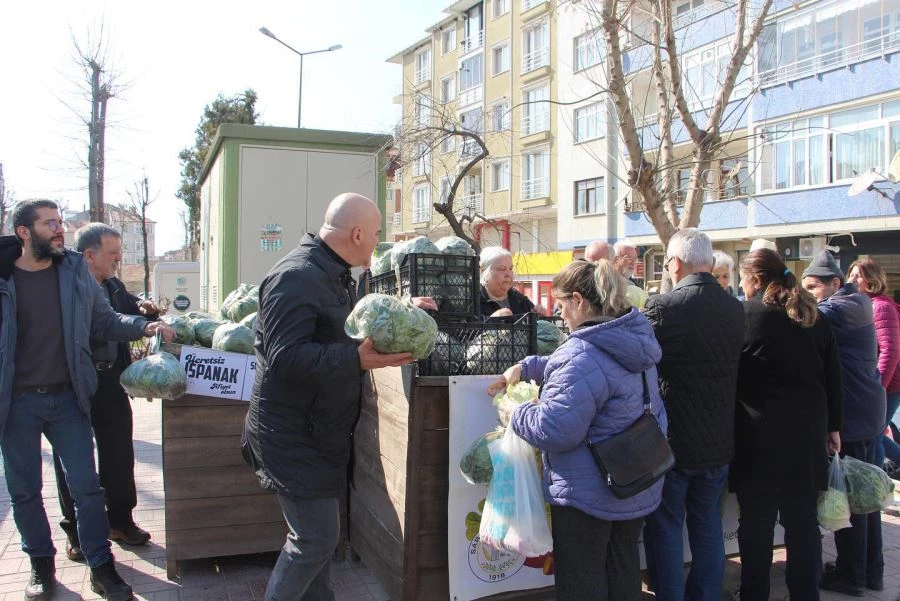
(306, 398)
(700, 328)
(860, 562)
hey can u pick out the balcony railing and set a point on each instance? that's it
(534, 188)
(397, 220)
(695, 14)
(470, 96)
(473, 42)
(421, 214)
(468, 149)
(535, 123)
(536, 59)
(423, 75)
(838, 58)
(473, 203)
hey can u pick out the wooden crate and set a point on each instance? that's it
(398, 508)
(214, 505)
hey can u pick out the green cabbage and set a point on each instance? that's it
(184, 332)
(240, 303)
(833, 509)
(520, 392)
(492, 351)
(158, 376)
(549, 337)
(381, 258)
(394, 325)
(250, 321)
(448, 356)
(475, 465)
(453, 245)
(868, 486)
(234, 337)
(194, 316)
(419, 245)
(204, 329)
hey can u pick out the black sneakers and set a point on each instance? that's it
(73, 550)
(42, 583)
(130, 534)
(835, 582)
(107, 583)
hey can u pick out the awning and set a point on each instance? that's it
(546, 263)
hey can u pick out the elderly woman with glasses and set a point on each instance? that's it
(498, 297)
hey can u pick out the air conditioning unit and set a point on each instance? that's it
(810, 247)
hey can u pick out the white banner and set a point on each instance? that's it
(216, 373)
(475, 570)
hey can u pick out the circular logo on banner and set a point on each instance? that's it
(490, 565)
(180, 280)
(181, 302)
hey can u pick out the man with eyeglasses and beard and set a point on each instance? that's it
(50, 307)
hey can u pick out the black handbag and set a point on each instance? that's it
(636, 458)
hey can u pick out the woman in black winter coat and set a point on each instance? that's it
(787, 420)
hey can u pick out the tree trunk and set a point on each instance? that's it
(93, 133)
(101, 155)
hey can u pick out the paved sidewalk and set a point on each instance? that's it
(244, 578)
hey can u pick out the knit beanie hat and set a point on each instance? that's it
(824, 266)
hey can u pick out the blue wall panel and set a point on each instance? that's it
(723, 215)
(822, 204)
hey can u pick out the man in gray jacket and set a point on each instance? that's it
(50, 307)
(306, 399)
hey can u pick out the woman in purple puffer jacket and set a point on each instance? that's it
(591, 387)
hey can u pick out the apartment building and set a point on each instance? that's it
(127, 223)
(816, 105)
(488, 67)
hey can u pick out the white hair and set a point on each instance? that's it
(723, 260)
(489, 256)
(760, 243)
(692, 247)
(621, 245)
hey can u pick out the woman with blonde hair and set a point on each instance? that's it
(870, 278)
(788, 412)
(593, 386)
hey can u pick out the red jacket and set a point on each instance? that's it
(887, 329)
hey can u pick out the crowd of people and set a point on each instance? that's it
(755, 396)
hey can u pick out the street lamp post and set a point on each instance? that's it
(268, 33)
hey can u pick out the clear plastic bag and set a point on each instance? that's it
(868, 486)
(514, 518)
(833, 507)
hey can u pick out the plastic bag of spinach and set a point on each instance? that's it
(475, 465)
(868, 486)
(833, 506)
(381, 258)
(394, 325)
(549, 337)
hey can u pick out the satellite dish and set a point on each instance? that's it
(863, 182)
(894, 169)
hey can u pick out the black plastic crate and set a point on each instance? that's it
(470, 346)
(451, 280)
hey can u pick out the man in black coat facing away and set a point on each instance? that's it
(700, 328)
(306, 399)
(111, 415)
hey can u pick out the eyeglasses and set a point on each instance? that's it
(666, 264)
(55, 224)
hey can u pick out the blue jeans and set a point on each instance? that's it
(889, 448)
(303, 569)
(58, 417)
(697, 494)
(859, 553)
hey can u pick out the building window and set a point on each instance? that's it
(448, 40)
(501, 117)
(529, 4)
(535, 47)
(423, 66)
(500, 58)
(535, 174)
(421, 203)
(473, 28)
(589, 197)
(500, 175)
(535, 110)
(501, 7)
(589, 122)
(448, 143)
(472, 121)
(445, 190)
(471, 73)
(422, 109)
(448, 89)
(422, 163)
(686, 6)
(704, 71)
(828, 148)
(589, 49)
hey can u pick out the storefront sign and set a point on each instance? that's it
(215, 373)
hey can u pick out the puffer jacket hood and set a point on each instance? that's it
(10, 250)
(592, 387)
(628, 340)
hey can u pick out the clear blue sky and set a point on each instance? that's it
(174, 58)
